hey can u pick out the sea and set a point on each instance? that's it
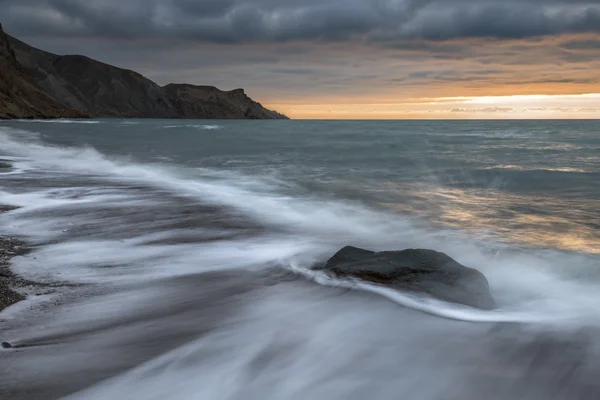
(177, 259)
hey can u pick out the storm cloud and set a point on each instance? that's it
(233, 21)
(376, 57)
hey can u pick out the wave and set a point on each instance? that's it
(296, 229)
(537, 169)
(59, 121)
(212, 127)
(202, 127)
(425, 304)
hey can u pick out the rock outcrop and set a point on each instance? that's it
(209, 102)
(35, 83)
(420, 271)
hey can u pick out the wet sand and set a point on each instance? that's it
(9, 247)
(13, 288)
(186, 325)
(196, 312)
(187, 330)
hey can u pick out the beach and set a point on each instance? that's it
(179, 259)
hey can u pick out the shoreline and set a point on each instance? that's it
(8, 280)
(46, 118)
(13, 287)
(9, 248)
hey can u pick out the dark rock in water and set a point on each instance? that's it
(421, 271)
(6, 345)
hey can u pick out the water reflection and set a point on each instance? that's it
(527, 220)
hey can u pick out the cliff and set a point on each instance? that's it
(209, 102)
(19, 97)
(50, 85)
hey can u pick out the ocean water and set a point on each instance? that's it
(186, 248)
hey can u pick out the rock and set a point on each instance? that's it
(420, 271)
(6, 345)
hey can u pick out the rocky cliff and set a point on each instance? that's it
(19, 97)
(209, 102)
(65, 86)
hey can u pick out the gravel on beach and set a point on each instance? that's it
(10, 282)
(9, 248)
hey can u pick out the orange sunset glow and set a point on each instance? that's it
(585, 106)
(379, 59)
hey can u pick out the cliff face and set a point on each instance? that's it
(19, 97)
(101, 90)
(92, 87)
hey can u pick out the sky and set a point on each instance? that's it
(344, 59)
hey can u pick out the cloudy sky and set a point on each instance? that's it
(345, 58)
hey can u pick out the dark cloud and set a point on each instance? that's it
(206, 8)
(505, 20)
(302, 20)
(295, 71)
(586, 44)
(330, 51)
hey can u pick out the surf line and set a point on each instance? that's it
(426, 305)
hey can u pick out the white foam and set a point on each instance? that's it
(211, 127)
(429, 305)
(60, 121)
(16, 310)
(127, 261)
(530, 285)
(194, 126)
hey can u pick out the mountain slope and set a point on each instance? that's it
(92, 87)
(101, 90)
(209, 102)
(19, 98)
